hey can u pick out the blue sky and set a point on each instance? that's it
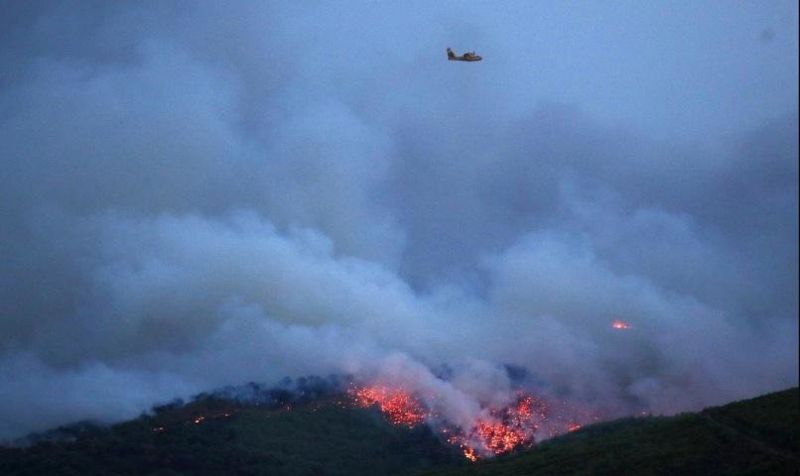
(685, 69)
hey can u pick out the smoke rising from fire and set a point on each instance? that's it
(200, 195)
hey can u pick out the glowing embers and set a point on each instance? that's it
(399, 407)
(469, 453)
(495, 431)
(620, 325)
(500, 438)
(504, 429)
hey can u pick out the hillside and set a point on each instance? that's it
(756, 437)
(320, 434)
(213, 436)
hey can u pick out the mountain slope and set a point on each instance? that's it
(311, 432)
(217, 437)
(757, 437)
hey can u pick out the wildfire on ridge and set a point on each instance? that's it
(497, 431)
(507, 429)
(620, 325)
(400, 407)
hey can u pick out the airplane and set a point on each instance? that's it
(470, 56)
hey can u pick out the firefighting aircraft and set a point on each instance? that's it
(470, 56)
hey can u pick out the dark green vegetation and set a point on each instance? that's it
(751, 437)
(325, 436)
(314, 438)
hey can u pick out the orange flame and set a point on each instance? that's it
(618, 324)
(499, 431)
(509, 428)
(469, 453)
(574, 427)
(400, 407)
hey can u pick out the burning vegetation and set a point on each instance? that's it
(398, 406)
(495, 432)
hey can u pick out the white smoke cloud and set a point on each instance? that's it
(190, 199)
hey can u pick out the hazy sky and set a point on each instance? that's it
(195, 194)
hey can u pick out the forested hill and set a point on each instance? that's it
(755, 437)
(218, 437)
(325, 436)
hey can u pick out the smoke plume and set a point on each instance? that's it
(197, 195)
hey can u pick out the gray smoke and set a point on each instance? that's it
(196, 195)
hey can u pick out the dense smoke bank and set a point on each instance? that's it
(193, 196)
